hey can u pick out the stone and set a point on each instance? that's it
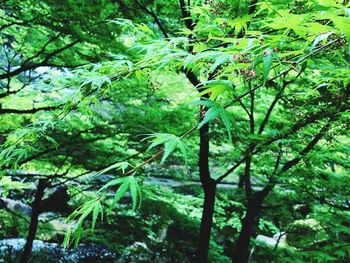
(16, 206)
(56, 200)
(271, 242)
(53, 252)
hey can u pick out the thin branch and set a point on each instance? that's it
(294, 64)
(322, 114)
(186, 15)
(30, 111)
(288, 165)
(42, 50)
(44, 62)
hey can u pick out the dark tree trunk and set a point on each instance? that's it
(249, 224)
(36, 207)
(241, 181)
(209, 187)
(206, 224)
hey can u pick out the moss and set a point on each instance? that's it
(189, 189)
(12, 225)
(304, 233)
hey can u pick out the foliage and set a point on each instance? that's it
(81, 81)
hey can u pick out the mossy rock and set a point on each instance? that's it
(189, 189)
(305, 233)
(12, 225)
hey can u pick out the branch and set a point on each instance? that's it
(288, 165)
(284, 72)
(42, 50)
(186, 15)
(155, 17)
(277, 97)
(306, 150)
(44, 62)
(30, 111)
(23, 23)
(295, 128)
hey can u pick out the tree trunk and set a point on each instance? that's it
(249, 223)
(209, 187)
(36, 207)
(206, 223)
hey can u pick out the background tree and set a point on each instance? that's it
(270, 82)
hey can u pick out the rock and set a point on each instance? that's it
(56, 200)
(305, 233)
(52, 226)
(282, 238)
(267, 241)
(16, 206)
(138, 252)
(53, 252)
(271, 242)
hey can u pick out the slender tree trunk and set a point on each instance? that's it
(206, 223)
(209, 187)
(249, 223)
(36, 207)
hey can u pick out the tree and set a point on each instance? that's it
(265, 74)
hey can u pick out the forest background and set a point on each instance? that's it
(174, 131)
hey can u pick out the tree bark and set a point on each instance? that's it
(36, 208)
(249, 224)
(209, 187)
(206, 224)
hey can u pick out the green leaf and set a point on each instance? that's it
(96, 211)
(216, 88)
(320, 38)
(215, 111)
(226, 121)
(239, 23)
(67, 237)
(135, 193)
(119, 166)
(52, 140)
(220, 60)
(267, 61)
(79, 227)
(342, 23)
(171, 143)
(112, 183)
(210, 115)
(124, 187)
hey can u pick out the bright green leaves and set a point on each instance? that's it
(93, 80)
(342, 23)
(117, 166)
(22, 142)
(268, 57)
(264, 6)
(289, 22)
(215, 88)
(94, 208)
(239, 23)
(171, 143)
(128, 183)
(332, 18)
(267, 61)
(215, 110)
(195, 62)
(220, 60)
(135, 192)
(7, 184)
